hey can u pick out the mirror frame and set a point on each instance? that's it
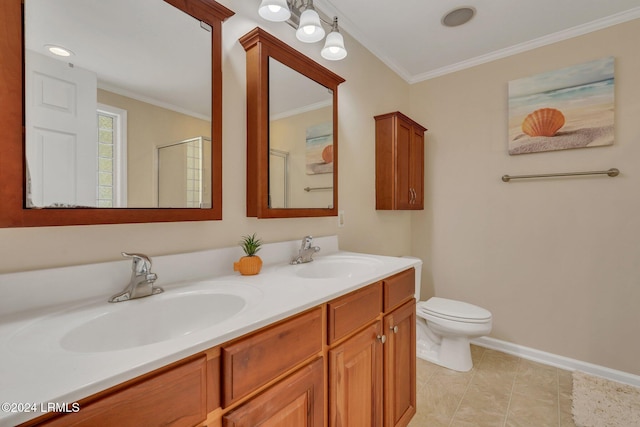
(260, 46)
(12, 129)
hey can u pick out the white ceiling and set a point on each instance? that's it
(408, 36)
(144, 49)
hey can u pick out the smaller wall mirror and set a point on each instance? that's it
(292, 141)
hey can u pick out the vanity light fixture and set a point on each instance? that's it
(58, 50)
(301, 15)
(333, 49)
(310, 29)
(274, 10)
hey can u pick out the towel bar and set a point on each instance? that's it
(307, 189)
(611, 172)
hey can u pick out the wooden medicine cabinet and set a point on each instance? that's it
(399, 162)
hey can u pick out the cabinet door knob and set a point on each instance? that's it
(382, 338)
(394, 329)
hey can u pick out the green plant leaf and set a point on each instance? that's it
(250, 244)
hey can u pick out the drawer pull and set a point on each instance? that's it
(394, 329)
(382, 338)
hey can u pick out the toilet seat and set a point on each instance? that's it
(457, 311)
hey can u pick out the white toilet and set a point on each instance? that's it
(444, 328)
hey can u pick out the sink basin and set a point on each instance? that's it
(340, 267)
(119, 326)
(137, 325)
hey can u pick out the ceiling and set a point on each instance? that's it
(408, 36)
(144, 49)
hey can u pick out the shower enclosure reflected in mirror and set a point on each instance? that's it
(184, 173)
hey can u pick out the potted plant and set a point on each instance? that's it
(251, 263)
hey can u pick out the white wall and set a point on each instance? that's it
(370, 89)
(557, 261)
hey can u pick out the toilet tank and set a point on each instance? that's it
(418, 276)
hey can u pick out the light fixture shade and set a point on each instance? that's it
(334, 49)
(274, 10)
(310, 30)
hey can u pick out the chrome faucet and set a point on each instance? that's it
(142, 279)
(306, 251)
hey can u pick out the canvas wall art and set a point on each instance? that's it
(320, 149)
(558, 110)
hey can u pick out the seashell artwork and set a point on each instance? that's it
(562, 109)
(319, 148)
(327, 154)
(543, 122)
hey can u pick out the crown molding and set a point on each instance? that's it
(579, 30)
(152, 101)
(532, 44)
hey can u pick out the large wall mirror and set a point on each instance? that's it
(83, 144)
(291, 131)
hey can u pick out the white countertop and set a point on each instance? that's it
(35, 368)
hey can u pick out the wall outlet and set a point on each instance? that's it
(340, 218)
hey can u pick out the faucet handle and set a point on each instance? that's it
(141, 262)
(306, 242)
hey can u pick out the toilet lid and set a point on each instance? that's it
(454, 310)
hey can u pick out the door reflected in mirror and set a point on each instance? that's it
(301, 125)
(138, 77)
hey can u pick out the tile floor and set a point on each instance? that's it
(501, 390)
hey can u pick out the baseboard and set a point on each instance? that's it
(557, 361)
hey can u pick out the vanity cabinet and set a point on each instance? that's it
(254, 360)
(399, 162)
(355, 358)
(355, 379)
(296, 401)
(376, 363)
(400, 365)
(180, 390)
(347, 362)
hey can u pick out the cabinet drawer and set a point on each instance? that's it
(399, 288)
(175, 397)
(259, 358)
(350, 312)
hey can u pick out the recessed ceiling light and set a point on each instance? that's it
(58, 50)
(458, 16)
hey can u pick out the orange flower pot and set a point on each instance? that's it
(248, 265)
